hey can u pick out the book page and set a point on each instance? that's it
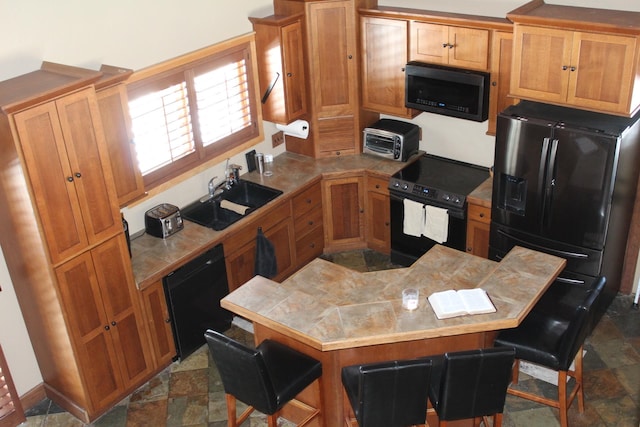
(476, 301)
(447, 304)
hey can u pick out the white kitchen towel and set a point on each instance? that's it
(413, 218)
(436, 224)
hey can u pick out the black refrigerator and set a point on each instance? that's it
(564, 183)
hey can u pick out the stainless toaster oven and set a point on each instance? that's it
(391, 139)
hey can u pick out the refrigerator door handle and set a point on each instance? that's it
(549, 181)
(562, 254)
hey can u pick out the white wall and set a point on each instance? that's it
(136, 34)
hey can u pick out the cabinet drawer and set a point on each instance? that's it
(309, 246)
(307, 200)
(379, 185)
(479, 213)
(248, 233)
(306, 223)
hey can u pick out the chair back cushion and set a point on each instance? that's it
(551, 336)
(242, 371)
(581, 325)
(388, 394)
(470, 384)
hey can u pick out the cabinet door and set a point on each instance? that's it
(280, 50)
(90, 330)
(116, 122)
(378, 215)
(332, 57)
(550, 50)
(501, 55)
(343, 204)
(119, 294)
(159, 324)
(69, 171)
(478, 224)
(429, 43)
(384, 56)
(601, 70)
(241, 263)
(468, 48)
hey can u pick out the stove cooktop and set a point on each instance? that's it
(438, 181)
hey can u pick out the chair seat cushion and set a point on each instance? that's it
(538, 339)
(290, 371)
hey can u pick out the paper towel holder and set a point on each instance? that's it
(298, 128)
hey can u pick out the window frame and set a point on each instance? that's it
(185, 65)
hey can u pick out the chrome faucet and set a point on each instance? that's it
(214, 189)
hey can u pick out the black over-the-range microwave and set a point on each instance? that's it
(449, 91)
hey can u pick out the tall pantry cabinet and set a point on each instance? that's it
(63, 241)
(332, 55)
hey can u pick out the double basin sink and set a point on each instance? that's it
(211, 212)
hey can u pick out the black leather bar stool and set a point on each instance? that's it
(552, 335)
(471, 384)
(265, 378)
(388, 394)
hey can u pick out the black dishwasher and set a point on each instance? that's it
(193, 295)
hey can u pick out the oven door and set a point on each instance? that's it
(405, 249)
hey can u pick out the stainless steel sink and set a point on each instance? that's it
(210, 214)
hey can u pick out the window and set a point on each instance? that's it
(199, 108)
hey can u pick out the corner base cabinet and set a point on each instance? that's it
(63, 241)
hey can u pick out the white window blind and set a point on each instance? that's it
(193, 111)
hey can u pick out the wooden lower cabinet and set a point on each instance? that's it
(105, 322)
(240, 247)
(378, 230)
(158, 321)
(308, 224)
(344, 214)
(478, 224)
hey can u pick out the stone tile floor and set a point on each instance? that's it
(189, 393)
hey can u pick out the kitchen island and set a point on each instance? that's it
(343, 317)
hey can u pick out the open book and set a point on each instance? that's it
(458, 303)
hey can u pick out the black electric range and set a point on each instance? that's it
(438, 181)
(431, 181)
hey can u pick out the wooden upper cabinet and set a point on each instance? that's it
(114, 112)
(449, 45)
(501, 54)
(332, 57)
(70, 173)
(579, 57)
(280, 49)
(385, 47)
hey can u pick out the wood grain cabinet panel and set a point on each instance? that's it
(308, 224)
(158, 322)
(378, 211)
(449, 45)
(385, 45)
(478, 224)
(113, 102)
(99, 294)
(584, 58)
(499, 99)
(343, 205)
(69, 170)
(281, 59)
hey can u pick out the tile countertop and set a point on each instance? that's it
(330, 307)
(153, 258)
(482, 195)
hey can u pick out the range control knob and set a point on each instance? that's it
(446, 197)
(405, 186)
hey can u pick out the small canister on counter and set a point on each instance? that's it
(260, 163)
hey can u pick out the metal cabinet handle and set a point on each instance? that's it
(70, 178)
(78, 175)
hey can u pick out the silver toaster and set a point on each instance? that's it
(163, 220)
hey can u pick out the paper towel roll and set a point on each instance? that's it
(299, 129)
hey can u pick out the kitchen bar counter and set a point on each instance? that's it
(343, 317)
(153, 258)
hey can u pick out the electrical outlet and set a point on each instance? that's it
(277, 139)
